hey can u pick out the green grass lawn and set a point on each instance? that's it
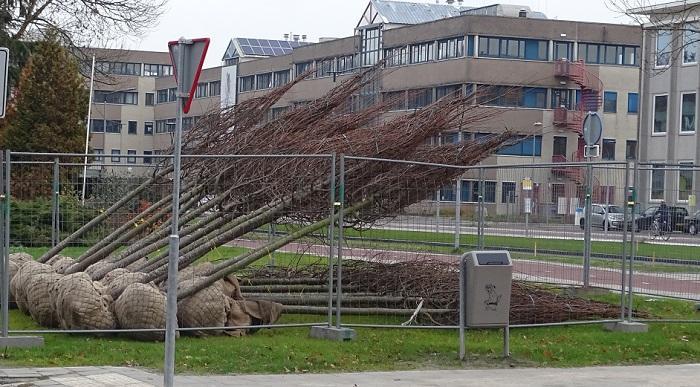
(291, 350)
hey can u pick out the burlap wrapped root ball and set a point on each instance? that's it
(207, 308)
(60, 263)
(39, 299)
(118, 284)
(82, 304)
(251, 312)
(96, 268)
(20, 281)
(142, 306)
(109, 278)
(16, 261)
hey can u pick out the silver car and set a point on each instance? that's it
(605, 213)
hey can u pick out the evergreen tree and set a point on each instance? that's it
(50, 105)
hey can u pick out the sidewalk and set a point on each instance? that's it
(667, 376)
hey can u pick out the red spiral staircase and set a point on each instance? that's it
(591, 99)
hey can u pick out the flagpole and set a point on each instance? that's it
(87, 130)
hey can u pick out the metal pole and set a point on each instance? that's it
(607, 209)
(633, 251)
(624, 241)
(331, 237)
(506, 341)
(462, 310)
(87, 130)
(174, 253)
(458, 213)
(481, 209)
(341, 216)
(587, 228)
(6, 249)
(437, 212)
(55, 204)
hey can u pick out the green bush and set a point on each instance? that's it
(30, 220)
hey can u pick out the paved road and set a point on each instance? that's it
(537, 230)
(685, 285)
(661, 376)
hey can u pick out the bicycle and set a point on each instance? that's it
(658, 229)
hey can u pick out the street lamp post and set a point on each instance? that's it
(529, 205)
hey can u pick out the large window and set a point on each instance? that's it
(116, 97)
(444, 91)
(470, 191)
(214, 88)
(447, 193)
(610, 102)
(508, 192)
(345, 64)
(526, 146)
(370, 45)
(166, 95)
(610, 54)
(132, 128)
(513, 96)
(119, 68)
(660, 113)
(658, 182)
(157, 70)
(563, 98)
(685, 181)
(690, 43)
(450, 48)
(324, 67)
(563, 50)
(148, 129)
(513, 48)
(688, 109)
(202, 90)
(396, 99)
(631, 150)
(150, 99)
(608, 152)
(422, 52)
(419, 98)
(663, 47)
(131, 159)
(301, 68)
(246, 83)
(165, 126)
(263, 81)
(99, 159)
(397, 56)
(115, 156)
(281, 78)
(147, 160)
(632, 103)
(113, 126)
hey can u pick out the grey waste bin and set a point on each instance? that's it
(489, 276)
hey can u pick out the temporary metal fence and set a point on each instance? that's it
(567, 225)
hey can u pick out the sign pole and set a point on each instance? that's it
(187, 57)
(174, 250)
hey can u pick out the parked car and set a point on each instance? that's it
(677, 214)
(601, 213)
(691, 223)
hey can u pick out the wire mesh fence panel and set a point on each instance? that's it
(546, 239)
(666, 243)
(248, 227)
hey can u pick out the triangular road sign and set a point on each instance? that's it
(194, 51)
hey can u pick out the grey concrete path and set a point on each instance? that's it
(667, 376)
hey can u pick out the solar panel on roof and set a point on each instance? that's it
(253, 42)
(267, 51)
(257, 50)
(242, 41)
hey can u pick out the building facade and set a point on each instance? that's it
(670, 87)
(133, 107)
(553, 72)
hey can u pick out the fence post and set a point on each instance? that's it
(341, 218)
(437, 211)
(587, 226)
(331, 237)
(55, 204)
(5, 293)
(633, 251)
(480, 228)
(626, 218)
(458, 213)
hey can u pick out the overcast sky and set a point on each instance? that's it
(222, 20)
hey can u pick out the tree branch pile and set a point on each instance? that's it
(225, 197)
